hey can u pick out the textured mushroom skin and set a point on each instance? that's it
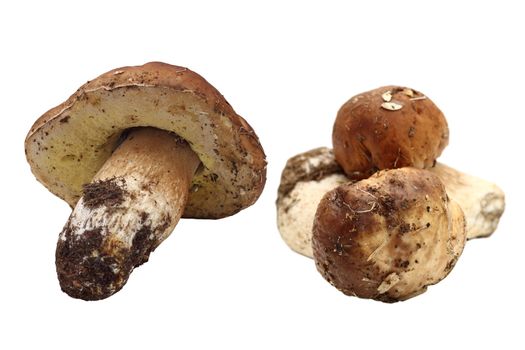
(312, 165)
(483, 202)
(133, 204)
(296, 210)
(388, 237)
(296, 206)
(69, 143)
(369, 136)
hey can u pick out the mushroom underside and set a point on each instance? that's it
(67, 151)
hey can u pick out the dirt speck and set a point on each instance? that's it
(104, 192)
(404, 228)
(142, 245)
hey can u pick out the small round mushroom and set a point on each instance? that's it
(308, 176)
(386, 128)
(388, 237)
(132, 151)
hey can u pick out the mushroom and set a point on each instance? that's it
(360, 215)
(389, 236)
(308, 176)
(132, 151)
(386, 128)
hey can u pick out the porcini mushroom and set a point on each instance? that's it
(357, 237)
(308, 176)
(132, 151)
(388, 237)
(386, 128)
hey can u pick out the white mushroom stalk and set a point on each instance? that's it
(133, 203)
(482, 201)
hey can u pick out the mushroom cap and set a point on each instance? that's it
(389, 127)
(68, 144)
(389, 236)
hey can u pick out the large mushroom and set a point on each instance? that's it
(132, 151)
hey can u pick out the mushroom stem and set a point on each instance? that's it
(482, 201)
(132, 204)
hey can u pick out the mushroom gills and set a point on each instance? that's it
(132, 204)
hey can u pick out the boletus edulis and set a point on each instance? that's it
(380, 216)
(132, 151)
(389, 236)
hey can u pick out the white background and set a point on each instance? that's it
(286, 68)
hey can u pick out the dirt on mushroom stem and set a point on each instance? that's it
(130, 207)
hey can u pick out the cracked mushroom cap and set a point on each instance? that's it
(386, 128)
(388, 237)
(69, 143)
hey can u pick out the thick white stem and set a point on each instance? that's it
(132, 205)
(482, 202)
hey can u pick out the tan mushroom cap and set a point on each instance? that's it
(69, 143)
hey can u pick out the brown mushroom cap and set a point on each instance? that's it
(388, 237)
(68, 144)
(386, 128)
